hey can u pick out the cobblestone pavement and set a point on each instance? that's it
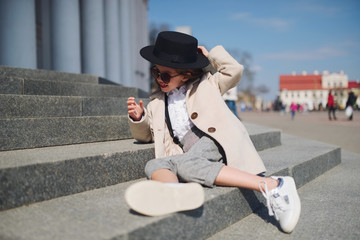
(312, 125)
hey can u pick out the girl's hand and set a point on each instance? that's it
(135, 111)
(203, 50)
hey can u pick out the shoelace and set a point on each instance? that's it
(266, 195)
(276, 203)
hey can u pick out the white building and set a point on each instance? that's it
(311, 90)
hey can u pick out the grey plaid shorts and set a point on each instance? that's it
(201, 163)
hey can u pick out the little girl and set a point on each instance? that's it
(198, 140)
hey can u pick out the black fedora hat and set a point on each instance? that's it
(175, 50)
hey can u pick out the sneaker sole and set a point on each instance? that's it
(289, 227)
(154, 198)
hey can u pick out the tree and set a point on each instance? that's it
(262, 89)
(247, 80)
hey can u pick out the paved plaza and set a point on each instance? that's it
(313, 125)
(330, 203)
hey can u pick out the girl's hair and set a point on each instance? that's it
(194, 73)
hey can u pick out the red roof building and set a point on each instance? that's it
(312, 89)
(300, 82)
(354, 84)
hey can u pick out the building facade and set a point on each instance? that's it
(99, 37)
(311, 90)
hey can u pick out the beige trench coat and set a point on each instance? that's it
(208, 112)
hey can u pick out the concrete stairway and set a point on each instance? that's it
(330, 209)
(67, 156)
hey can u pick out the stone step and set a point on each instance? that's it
(32, 106)
(334, 207)
(12, 85)
(103, 213)
(40, 74)
(24, 133)
(33, 175)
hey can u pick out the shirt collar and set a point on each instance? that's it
(177, 91)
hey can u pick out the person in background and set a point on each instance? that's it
(293, 109)
(230, 98)
(350, 103)
(331, 106)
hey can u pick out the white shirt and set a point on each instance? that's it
(180, 120)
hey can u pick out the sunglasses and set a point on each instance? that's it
(165, 77)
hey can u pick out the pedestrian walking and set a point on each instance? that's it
(350, 105)
(331, 106)
(230, 98)
(293, 109)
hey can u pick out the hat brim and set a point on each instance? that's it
(147, 53)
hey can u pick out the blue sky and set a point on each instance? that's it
(282, 36)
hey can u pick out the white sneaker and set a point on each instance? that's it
(283, 202)
(154, 198)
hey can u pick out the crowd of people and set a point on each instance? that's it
(331, 106)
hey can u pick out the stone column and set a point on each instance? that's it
(140, 24)
(65, 21)
(126, 44)
(112, 41)
(18, 33)
(92, 32)
(44, 57)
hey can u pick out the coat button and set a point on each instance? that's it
(194, 115)
(211, 129)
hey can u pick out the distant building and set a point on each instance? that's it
(96, 37)
(183, 29)
(312, 90)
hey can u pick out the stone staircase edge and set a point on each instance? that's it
(156, 226)
(27, 73)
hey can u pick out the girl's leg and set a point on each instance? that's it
(164, 175)
(232, 177)
(283, 202)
